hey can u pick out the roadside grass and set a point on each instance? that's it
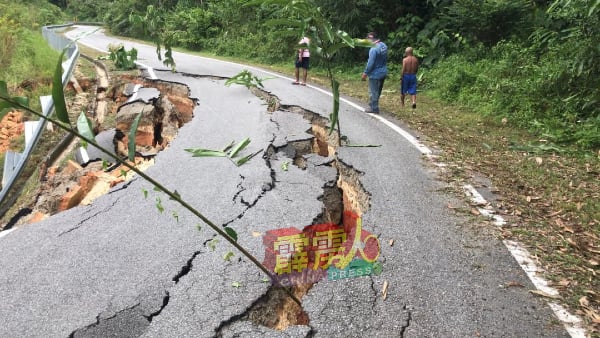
(549, 195)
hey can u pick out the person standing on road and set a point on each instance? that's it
(376, 71)
(408, 84)
(302, 61)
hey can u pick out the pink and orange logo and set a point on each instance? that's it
(320, 250)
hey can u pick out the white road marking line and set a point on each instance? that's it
(479, 200)
(413, 140)
(572, 323)
(149, 69)
(6, 232)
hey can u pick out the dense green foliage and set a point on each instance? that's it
(533, 62)
(123, 59)
(548, 81)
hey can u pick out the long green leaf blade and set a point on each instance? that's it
(335, 86)
(239, 147)
(22, 100)
(363, 43)
(243, 160)
(198, 152)
(346, 38)
(58, 95)
(246, 158)
(332, 49)
(327, 28)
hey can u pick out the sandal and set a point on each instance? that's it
(304, 84)
(295, 83)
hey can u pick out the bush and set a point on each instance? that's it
(512, 82)
(193, 27)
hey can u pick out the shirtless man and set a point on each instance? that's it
(410, 66)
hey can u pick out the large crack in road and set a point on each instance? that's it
(275, 309)
(312, 150)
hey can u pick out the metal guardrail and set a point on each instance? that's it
(17, 162)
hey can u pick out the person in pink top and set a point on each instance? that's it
(302, 61)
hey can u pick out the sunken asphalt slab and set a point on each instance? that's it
(119, 268)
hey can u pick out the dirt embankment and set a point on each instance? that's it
(11, 127)
(109, 101)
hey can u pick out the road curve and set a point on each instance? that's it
(120, 268)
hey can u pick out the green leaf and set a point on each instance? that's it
(363, 43)
(243, 160)
(593, 8)
(284, 166)
(246, 78)
(198, 152)
(58, 95)
(231, 233)
(22, 100)
(335, 86)
(236, 284)
(228, 256)
(174, 213)
(198, 226)
(104, 165)
(327, 28)
(145, 192)
(346, 38)
(212, 244)
(159, 205)
(131, 137)
(332, 49)
(84, 126)
(239, 147)
(247, 158)
(377, 268)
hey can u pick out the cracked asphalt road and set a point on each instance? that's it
(119, 268)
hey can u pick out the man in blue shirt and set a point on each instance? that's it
(376, 71)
